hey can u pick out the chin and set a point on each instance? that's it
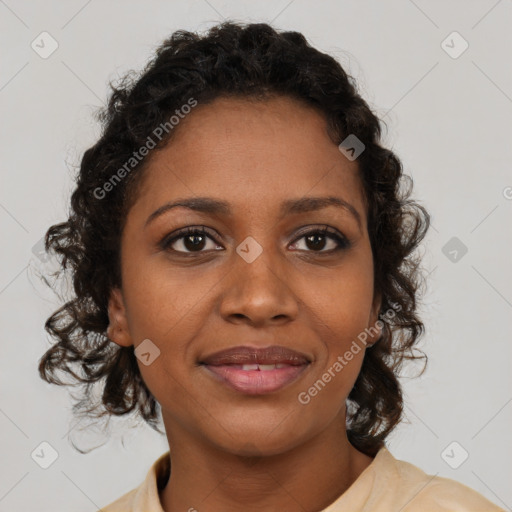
(259, 438)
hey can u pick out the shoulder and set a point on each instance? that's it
(146, 496)
(123, 504)
(431, 492)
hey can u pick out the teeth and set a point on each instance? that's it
(262, 367)
(249, 367)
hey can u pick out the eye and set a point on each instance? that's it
(190, 240)
(195, 240)
(321, 240)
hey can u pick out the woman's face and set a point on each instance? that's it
(260, 276)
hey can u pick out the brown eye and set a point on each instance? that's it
(321, 240)
(194, 242)
(190, 240)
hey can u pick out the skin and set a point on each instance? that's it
(231, 451)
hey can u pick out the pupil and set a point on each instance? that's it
(315, 238)
(194, 245)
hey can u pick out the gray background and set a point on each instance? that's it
(449, 121)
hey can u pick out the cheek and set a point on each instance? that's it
(344, 300)
(341, 324)
(169, 312)
(340, 321)
(164, 301)
(341, 309)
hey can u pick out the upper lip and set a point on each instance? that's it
(274, 354)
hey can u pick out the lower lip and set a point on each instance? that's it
(256, 382)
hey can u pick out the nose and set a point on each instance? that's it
(258, 293)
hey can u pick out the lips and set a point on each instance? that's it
(256, 371)
(262, 356)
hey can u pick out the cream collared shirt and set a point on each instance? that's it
(386, 485)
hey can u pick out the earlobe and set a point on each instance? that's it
(117, 330)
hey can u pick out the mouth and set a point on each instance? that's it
(256, 371)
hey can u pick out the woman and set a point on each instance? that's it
(242, 249)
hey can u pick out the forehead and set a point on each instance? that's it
(251, 152)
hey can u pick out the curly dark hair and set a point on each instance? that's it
(230, 60)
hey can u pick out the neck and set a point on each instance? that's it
(308, 477)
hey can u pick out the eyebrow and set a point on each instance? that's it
(290, 206)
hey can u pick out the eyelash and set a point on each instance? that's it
(165, 244)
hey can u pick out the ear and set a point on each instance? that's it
(375, 327)
(117, 330)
